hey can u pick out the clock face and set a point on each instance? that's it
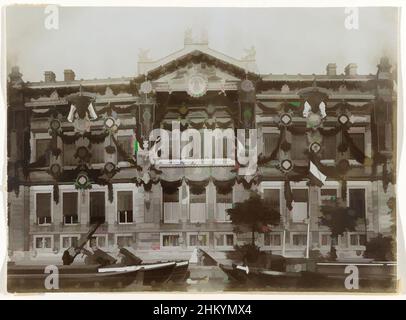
(197, 86)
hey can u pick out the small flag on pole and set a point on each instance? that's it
(318, 176)
(135, 146)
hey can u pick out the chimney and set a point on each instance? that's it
(331, 69)
(351, 69)
(49, 76)
(68, 75)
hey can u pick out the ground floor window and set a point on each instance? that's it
(357, 239)
(125, 240)
(224, 240)
(299, 240)
(198, 239)
(170, 240)
(69, 241)
(99, 241)
(272, 239)
(43, 243)
(326, 240)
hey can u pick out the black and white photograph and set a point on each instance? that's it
(201, 149)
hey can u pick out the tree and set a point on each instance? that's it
(380, 248)
(255, 214)
(338, 219)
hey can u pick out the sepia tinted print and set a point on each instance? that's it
(248, 149)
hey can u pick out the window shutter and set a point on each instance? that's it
(124, 200)
(70, 203)
(43, 205)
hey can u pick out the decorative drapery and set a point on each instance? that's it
(170, 187)
(224, 186)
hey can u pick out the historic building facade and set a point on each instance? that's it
(78, 154)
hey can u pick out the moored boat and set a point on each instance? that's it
(66, 278)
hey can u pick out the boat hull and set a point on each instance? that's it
(68, 280)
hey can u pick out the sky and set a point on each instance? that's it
(99, 42)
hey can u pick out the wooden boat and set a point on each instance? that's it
(234, 274)
(260, 277)
(33, 278)
(179, 274)
(22, 278)
(153, 274)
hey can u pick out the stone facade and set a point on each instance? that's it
(223, 103)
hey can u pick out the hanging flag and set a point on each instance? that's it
(288, 195)
(92, 113)
(135, 146)
(71, 114)
(318, 177)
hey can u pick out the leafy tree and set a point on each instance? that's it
(254, 214)
(338, 219)
(380, 248)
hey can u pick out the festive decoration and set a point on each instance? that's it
(286, 165)
(146, 87)
(197, 85)
(82, 181)
(285, 119)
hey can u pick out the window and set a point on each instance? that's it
(198, 207)
(171, 206)
(98, 241)
(220, 147)
(299, 240)
(270, 142)
(70, 207)
(359, 141)
(69, 241)
(357, 240)
(43, 208)
(329, 148)
(223, 202)
(356, 199)
(43, 243)
(97, 207)
(42, 147)
(125, 206)
(124, 241)
(299, 211)
(126, 144)
(224, 240)
(198, 240)
(384, 136)
(171, 240)
(69, 150)
(272, 239)
(272, 198)
(326, 240)
(97, 151)
(298, 147)
(327, 195)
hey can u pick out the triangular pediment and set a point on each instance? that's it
(214, 68)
